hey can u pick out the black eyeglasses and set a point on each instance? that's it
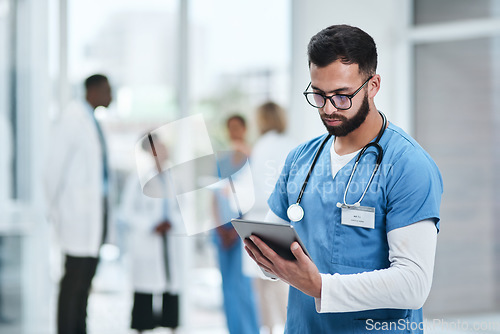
(339, 101)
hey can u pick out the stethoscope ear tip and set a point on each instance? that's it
(339, 204)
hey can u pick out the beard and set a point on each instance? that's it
(348, 125)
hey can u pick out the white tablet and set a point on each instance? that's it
(277, 236)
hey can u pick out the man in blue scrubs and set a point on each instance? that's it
(371, 264)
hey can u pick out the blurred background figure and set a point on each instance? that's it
(5, 159)
(268, 154)
(152, 49)
(154, 249)
(77, 185)
(266, 161)
(239, 300)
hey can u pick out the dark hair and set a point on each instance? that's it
(95, 80)
(237, 117)
(349, 44)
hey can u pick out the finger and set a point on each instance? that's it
(258, 263)
(251, 246)
(266, 251)
(260, 258)
(298, 252)
(250, 253)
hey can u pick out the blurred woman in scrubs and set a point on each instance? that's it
(239, 300)
(266, 161)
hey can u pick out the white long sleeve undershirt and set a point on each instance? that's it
(404, 285)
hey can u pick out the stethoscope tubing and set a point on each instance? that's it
(380, 155)
(299, 198)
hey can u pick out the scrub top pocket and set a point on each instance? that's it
(360, 247)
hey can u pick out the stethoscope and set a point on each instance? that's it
(295, 211)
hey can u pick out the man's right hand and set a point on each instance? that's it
(163, 227)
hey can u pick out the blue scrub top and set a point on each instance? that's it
(406, 189)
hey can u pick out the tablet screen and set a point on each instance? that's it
(278, 237)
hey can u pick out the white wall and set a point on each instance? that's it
(386, 21)
(467, 272)
(33, 96)
(5, 130)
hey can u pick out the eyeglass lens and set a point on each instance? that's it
(318, 101)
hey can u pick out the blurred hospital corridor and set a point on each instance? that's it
(133, 131)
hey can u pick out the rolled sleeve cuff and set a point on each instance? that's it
(322, 303)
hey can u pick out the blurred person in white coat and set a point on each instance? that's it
(154, 249)
(5, 160)
(266, 161)
(5, 190)
(77, 189)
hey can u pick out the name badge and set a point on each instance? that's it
(360, 216)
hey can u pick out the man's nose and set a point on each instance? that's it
(329, 108)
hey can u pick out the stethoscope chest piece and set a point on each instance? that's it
(295, 212)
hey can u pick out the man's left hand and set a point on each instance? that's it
(301, 273)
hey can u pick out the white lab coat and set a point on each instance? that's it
(74, 182)
(268, 157)
(5, 159)
(146, 249)
(266, 161)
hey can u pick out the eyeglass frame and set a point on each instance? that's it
(325, 97)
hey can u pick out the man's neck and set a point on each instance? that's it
(358, 138)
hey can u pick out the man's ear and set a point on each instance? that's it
(374, 86)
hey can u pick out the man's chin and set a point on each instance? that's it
(336, 131)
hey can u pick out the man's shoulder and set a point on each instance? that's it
(77, 107)
(75, 116)
(400, 147)
(400, 136)
(401, 142)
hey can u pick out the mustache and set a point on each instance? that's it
(332, 118)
